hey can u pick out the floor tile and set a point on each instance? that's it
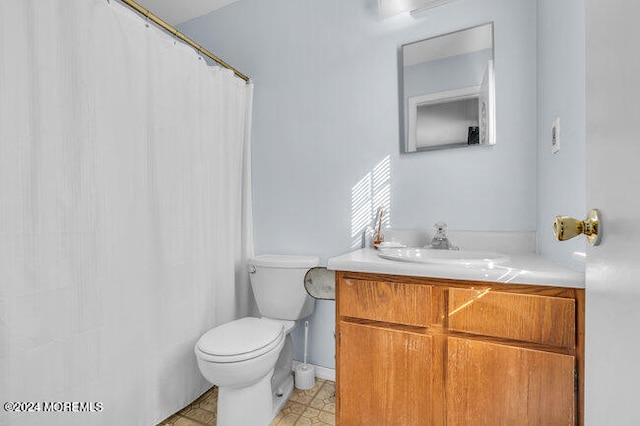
(328, 418)
(197, 413)
(170, 421)
(287, 420)
(209, 403)
(310, 412)
(315, 406)
(293, 408)
(304, 421)
(183, 421)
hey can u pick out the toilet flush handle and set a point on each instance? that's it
(252, 269)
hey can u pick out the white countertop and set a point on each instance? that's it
(520, 269)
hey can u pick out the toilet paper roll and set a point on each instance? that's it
(305, 377)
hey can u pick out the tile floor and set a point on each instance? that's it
(316, 406)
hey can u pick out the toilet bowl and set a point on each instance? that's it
(241, 352)
(250, 359)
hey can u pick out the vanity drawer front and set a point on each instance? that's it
(529, 318)
(408, 304)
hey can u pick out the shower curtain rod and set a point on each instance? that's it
(165, 26)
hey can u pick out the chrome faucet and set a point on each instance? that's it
(440, 240)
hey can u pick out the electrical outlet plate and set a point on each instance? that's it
(555, 136)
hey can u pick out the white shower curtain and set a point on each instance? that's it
(124, 212)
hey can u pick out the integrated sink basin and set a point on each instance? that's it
(447, 257)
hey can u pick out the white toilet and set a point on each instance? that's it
(250, 359)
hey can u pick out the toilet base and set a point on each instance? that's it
(280, 400)
(282, 380)
(247, 406)
(265, 403)
(259, 403)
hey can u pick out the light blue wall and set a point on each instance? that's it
(561, 93)
(326, 112)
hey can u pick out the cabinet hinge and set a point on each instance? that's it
(575, 381)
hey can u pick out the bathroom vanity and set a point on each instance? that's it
(458, 345)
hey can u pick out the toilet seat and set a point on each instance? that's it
(287, 324)
(240, 340)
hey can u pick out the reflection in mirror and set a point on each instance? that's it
(448, 93)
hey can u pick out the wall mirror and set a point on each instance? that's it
(448, 91)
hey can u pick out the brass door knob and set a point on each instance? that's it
(565, 227)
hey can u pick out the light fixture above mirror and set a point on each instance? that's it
(389, 8)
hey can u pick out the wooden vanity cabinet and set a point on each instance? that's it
(421, 351)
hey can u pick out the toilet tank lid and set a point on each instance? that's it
(284, 261)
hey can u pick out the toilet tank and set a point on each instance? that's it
(278, 285)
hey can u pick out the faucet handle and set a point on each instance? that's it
(440, 227)
(440, 240)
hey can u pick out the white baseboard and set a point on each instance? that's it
(321, 372)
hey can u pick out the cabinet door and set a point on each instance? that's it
(384, 376)
(493, 384)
